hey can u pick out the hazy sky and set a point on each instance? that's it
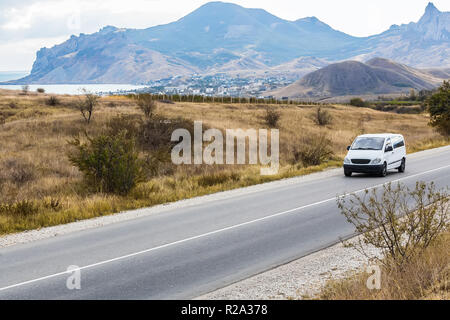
(27, 25)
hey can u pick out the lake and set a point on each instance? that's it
(77, 88)
(65, 88)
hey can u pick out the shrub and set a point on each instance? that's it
(52, 101)
(40, 90)
(323, 117)
(358, 102)
(153, 137)
(399, 221)
(156, 132)
(25, 89)
(439, 108)
(129, 123)
(313, 150)
(272, 117)
(146, 104)
(109, 163)
(87, 105)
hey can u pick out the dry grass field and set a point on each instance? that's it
(39, 186)
(425, 277)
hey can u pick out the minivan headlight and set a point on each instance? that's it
(376, 161)
(347, 161)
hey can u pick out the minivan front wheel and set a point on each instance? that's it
(383, 172)
(348, 173)
(403, 166)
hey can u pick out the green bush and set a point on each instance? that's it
(439, 108)
(153, 138)
(358, 102)
(109, 163)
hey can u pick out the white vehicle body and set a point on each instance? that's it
(376, 153)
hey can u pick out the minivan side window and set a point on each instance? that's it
(398, 143)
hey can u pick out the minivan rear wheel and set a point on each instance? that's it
(383, 172)
(403, 166)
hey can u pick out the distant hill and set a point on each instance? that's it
(225, 37)
(376, 76)
(422, 44)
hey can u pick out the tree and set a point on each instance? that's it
(87, 105)
(146, 104)
(439, 109)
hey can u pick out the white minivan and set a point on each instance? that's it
(376, 153)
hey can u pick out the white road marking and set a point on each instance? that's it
(214, 232)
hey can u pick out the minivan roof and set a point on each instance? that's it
(382, 135)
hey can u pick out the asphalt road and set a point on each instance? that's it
(190, 251)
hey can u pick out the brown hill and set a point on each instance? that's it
(377, 76)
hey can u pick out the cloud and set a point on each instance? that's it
(20, 54)
(24, 23)
(26, 26)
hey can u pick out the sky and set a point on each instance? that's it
(28, 25)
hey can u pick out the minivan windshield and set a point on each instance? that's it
(368, 143)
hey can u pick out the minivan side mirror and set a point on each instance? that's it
(388, 149)
(348, 148)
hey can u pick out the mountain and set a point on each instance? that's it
(225, 37)
(248, 67)
(376, 76)
(422, 44)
